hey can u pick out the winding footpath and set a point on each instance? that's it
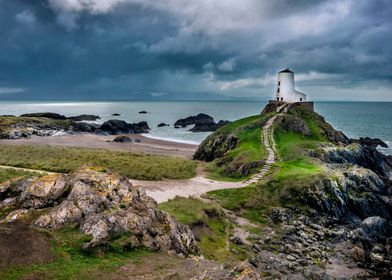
(165, 190)
(162, 191)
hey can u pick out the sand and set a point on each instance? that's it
(146, 145)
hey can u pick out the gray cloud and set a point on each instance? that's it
(194, 49)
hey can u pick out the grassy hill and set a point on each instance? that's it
(234, 151)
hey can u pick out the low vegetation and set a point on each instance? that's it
(209, 225)
(10, 173)
(70, 261)
(66, 159)
(234, 163)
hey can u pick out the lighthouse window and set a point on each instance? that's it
(278, 90)
(279, 83)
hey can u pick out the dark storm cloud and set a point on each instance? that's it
(139, 49)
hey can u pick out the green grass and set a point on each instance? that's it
(249, 148)
(282, 189)
(291, 146)
(210, 220)
(10, 173)
(66, 159)
(71, 262)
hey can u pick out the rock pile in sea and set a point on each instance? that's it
(202, 123)
(102, 205)
(113, 127)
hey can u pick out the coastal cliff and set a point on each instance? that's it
(327, 201)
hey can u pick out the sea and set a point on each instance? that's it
(355, 119)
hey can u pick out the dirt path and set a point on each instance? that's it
(27, 169)
(162, 191)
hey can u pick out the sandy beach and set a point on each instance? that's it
(146, 145)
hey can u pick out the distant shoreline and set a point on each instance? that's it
(93, 141)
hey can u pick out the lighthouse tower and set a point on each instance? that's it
(285, 89)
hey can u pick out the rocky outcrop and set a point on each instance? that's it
(25, 127)
(366, 156)
(210, 126)
(113, 127)
(295, 124)
(323, 127)
(163, 124)
(102, 205)
(48, 115)
(125, 139)
(198, 119)
(353, 194)
(371, 142)
(84, 117)
(215, 146)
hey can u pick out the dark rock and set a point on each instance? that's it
(199, 119)
(114, 127)
(84, 117)
(116, 115)
(126, 139)
(210, 126)
(246, 168)
(215, 146)
(85, 127)
(376, 227)
(362, 155)
(45, 115)
(163, 124)
(295, 124)
(371, 142)
(143, 112)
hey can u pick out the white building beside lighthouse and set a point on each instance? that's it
(285, 89)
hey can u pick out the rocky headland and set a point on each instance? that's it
(331, 216)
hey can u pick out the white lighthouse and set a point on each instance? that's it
(285, 89)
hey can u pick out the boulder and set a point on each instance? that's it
(375, 226)
(198, 119)
(48, 115)
(84, 117)
(371, 142)
(116, 115)
(113, 127)
(209, 126)
(358, 254)
(125, 139)
(103, 206)
(84, 127)
(143, 112)
(163, 124)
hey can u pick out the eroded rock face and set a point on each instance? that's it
(362, 155)
(102, 205)
(295, 124)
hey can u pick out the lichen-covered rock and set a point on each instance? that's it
(102, 205)
(356, 193)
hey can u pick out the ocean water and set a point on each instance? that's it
(355, 119)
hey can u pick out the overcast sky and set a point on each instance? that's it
(192, 50)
